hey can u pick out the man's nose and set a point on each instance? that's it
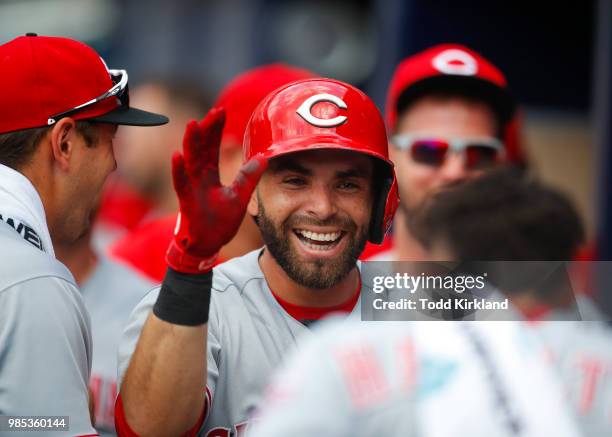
(321, 203)
(454, 168)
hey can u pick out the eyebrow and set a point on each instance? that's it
(289, 165)
(357, 172)
(292, 166)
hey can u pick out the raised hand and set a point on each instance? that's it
(210, 213)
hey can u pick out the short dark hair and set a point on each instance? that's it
(17, 148)
(449, 91)
(182, 91)
(504, 215)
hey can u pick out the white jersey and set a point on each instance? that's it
(45, 341)
(249, 334)
(110, 295)
(417, 379)
(582, 353)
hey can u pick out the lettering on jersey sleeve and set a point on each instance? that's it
(26, 232)
(104, 393)
(95, 391)
(207, 403)
(219, 432)
(238, 430)
(363, 375)
(241, 429)
(109, 408)
(592, 372)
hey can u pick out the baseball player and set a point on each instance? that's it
(60, 109)
(145, 247)
(523, 220)
(417, 379)
(187, 367)
(448, 112)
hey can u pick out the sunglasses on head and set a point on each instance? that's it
(118, 90)
(479, 153)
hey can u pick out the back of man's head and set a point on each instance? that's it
(525, 227)
(502, 216)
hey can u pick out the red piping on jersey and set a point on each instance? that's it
(124, 430)
(299, 312)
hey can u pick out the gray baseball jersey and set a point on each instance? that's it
(582, 353)
(249, 334)
(425, 379)
(110, 295)
(45, 341)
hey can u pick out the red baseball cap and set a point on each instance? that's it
(448, 67)
(242, 95)
(47, 78)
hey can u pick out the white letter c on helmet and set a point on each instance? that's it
(305, 110)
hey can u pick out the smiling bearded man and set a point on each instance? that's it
(317, 152)
(318, 248)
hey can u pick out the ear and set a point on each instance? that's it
(253, 206)
(63, 135)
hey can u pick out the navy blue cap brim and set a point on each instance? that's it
(499, 98)
(131, 117)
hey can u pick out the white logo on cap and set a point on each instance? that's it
(305, 110)
(454, 61)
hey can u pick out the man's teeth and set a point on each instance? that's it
(320, 247)
(330, 236)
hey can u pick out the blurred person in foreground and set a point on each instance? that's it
(110, 292)
(450, 117)
(145, 248)
(318, 182)
(519, 219)
(416, 379)
(61, 107)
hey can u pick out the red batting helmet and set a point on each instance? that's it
(326, 114)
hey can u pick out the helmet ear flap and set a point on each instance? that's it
(391, 206)
(385, 203)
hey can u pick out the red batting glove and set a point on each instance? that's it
(210, 214)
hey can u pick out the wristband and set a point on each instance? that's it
(184, 299)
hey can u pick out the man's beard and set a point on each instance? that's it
(322, 273)
(410, 208)
(413, 207)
